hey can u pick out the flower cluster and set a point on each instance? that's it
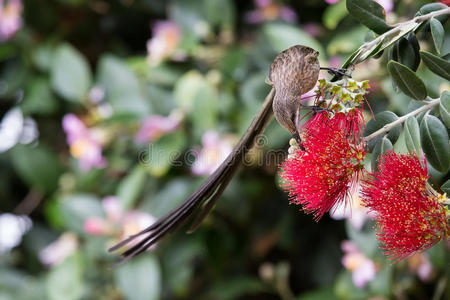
(10, 18)
(410, 215)
(344, 100)
(118, 223)
(269, 10)
(85, 143)
(323, 173)
(166, 38)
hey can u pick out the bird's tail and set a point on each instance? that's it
(201, 201)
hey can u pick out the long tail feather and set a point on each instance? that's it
(204, 198)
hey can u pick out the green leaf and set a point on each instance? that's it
(407, 81)
(121, 86)
(65, 281)
(369, 13)
(39, 98)
(281, 36)
(139, 278)
(412, 136)
(162, 154)
(437, 32)
(38, 166)
(446, 187)
(76, 209)
(434, 138)
(436, 64)
(70, 75)
(406, 52)
(131, 186)
(334, 14)
(199, 99)
(220, 12)
(381, 119)
(382, 146)
(444, 108)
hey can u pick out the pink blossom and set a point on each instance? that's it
(313, 29)
(56, 252)
(363, 268)
(331, 1)
(354, 211)
(85, 143)
(420, 264)
(268, 10)
(10, 19)
(388, 5)
(118, 223)
(215, 150)
(156, 126)
(165, 40)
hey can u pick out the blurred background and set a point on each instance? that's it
(112, 112)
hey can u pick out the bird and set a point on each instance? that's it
(293, 72)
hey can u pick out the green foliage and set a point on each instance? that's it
(377, 123)
(369, 13)
(69, 73)
(436, 64)
(381, 146)
(408, 82)
(140, 278)
(66, 280)
(412, 136)
(38, 166)
(444, 108)
(435, 144)
(90, 60)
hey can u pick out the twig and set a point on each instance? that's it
(388, 127)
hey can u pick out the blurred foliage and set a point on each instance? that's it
(203, 70)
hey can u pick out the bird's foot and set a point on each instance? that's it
(337, 72)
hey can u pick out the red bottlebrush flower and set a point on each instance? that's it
(351, 123)
(447, 2)
(410, 216)
(324, 172)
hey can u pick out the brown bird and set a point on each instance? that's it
(293, 72)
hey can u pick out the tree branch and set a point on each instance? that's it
(388, 127)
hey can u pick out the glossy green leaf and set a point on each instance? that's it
(121, 86)
(406, 52)
(382, 146)
(412, 136)
(434, 138)
(282, 36)
(436, 64)
(39, 98)
(369, 13)
(139, 278)
(444, 108)
(70, 75)
(131, 187)
(407, 81)
(38, 166)
(378, 122)
(162, 154)
(76, 209)
(334, 14)
(438, 33)
(65, 280)
(446, 187)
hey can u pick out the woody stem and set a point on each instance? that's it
(386, 128)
